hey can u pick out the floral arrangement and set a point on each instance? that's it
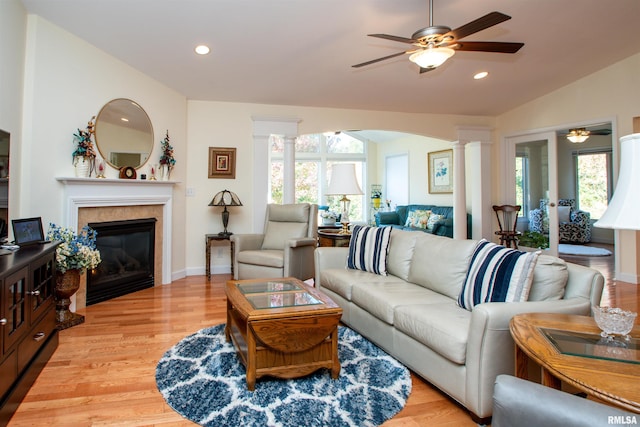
(328, 214)
(77, 251)
(166, 158)
(84, 146)
(376, 192)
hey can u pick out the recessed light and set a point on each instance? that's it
(202, 49)
(481, 75)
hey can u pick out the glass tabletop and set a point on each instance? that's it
(276, 294)
(594, 346)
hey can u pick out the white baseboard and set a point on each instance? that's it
(627, 277)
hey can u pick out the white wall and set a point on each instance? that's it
(418, 148)
(66, 82)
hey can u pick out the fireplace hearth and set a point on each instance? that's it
(127, 249)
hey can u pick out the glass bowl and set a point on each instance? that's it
(614, 321)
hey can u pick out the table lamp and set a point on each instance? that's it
(225, 198)
(344, 182)
(622, 212)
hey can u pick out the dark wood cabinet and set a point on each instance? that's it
(28, 334)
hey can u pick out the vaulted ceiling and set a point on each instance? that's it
(300, 52)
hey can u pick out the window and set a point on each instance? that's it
(314, 156)
(522, 184)
(593, 181)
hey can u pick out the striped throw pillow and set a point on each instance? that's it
(368, 249)
(496, 274)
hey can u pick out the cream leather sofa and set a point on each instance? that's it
(412, 313)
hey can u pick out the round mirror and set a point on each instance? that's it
(124, 135)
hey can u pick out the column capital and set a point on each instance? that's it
(468, 134)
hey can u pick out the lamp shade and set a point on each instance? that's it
(431, 57)
(225, 198)
(623, 212)
(343, 180)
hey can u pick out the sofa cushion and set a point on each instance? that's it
(564, 213)
(368, 249)
(497, 274)
(277, 233)
(443, 327)
(433, 219)
(270, 258)
(380, 298)
(401, 246)
(342, 280)
(549, 279)
(440, 263)
(417, 218)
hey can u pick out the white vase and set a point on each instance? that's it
(164, 172)
(82, 167)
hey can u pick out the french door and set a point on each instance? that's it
(532, 181)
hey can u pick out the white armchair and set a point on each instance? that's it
(286, 247)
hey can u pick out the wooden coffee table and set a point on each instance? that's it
(282, 327)
(566, 348)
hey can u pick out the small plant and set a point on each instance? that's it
(77, 251)
(166, 158)
(84, 147)
(533, 239)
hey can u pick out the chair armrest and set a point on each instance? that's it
(581, 218)
(490, 347)
(515, 400)
(387, 218)
(247, 242)
(305, 241)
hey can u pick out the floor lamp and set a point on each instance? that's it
(344, 182)
(225, 198)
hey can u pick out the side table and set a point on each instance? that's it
(208, 238)
(329, 237)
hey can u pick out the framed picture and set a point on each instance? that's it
(222, 162)
(440, 171)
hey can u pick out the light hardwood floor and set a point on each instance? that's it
(103, 372)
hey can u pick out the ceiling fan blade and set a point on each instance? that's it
(482, 23)
(499, 47)
(373, 61)
(600, 132)
(393, 38)
(424, 70)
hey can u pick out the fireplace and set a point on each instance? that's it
(127, 249)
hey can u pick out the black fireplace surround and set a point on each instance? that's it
(127, 253)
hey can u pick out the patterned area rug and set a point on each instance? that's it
(203, 380)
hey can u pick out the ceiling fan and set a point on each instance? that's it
(436, 44)
(579, 135)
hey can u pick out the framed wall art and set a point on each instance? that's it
(440, 165)
(222, 162)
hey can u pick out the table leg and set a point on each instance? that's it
(522, 364)
(335, 369)
(549, 380)
(233, 254)
(251, 360)
(208, 257)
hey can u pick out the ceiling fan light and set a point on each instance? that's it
(578, 136)
(431, 57)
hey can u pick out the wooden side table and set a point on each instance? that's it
(208, 238)
(332, 237)
(598, 374)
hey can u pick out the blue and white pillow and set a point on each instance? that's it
(497, 274)
(368, 249)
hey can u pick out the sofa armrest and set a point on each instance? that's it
(490, 347)
(387, 218)
(329, 257)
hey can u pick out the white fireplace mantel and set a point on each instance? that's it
(99, 192)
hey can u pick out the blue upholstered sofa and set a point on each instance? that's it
(442, 227)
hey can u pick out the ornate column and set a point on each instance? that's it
(459, 192)
(289, 170)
